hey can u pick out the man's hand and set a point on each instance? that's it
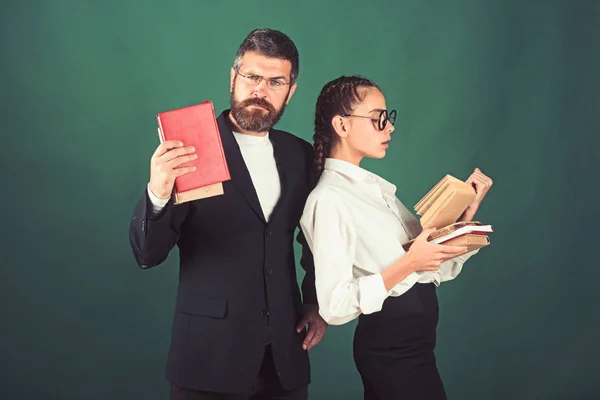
(482, 184)
(316, 326)
(166, 164)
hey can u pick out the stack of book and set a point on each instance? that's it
(442, 206)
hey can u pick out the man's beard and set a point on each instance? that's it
(252, 119)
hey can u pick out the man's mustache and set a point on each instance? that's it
(257, 101)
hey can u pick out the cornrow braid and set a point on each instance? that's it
(338, 97)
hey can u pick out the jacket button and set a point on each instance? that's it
(269, 233)
(264, 313)
(268, 272)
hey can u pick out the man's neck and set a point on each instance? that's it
(237, 128)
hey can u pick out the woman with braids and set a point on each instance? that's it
(355, 225)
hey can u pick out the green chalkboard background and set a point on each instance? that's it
(508, 86)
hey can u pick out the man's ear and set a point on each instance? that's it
(231, 79)
(292, 90)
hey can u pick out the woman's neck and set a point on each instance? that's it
(346, 154)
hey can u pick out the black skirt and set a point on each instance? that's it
(393, 348)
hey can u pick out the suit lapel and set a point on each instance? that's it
(240, 177)
(283, 168)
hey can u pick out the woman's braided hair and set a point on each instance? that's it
(338, 97)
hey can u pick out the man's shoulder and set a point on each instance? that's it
(292, 140)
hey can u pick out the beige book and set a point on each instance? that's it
(215, 189)
(473, 242)
(434, 193)
(445, 203)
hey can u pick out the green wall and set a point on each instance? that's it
(508, 86)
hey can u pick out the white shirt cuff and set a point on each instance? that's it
(408, 282)
(372, 293)
(428, 277)
(157, 204)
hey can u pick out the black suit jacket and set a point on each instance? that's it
(237, 278)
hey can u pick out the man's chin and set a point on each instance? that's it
(256, 114)
(254, 124)
(255, 118)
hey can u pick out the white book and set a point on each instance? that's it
(483, 229)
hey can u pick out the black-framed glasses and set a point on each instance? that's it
(255, 80)
(381, 121)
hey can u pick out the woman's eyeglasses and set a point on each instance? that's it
(381, 121)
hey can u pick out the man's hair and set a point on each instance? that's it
(270, 43)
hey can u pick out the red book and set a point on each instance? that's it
(196, 126)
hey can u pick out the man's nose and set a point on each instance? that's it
(260, 90)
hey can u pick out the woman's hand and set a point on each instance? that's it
(482, 185)
(425, 256)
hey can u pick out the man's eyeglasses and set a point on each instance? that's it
(381, 121)
(255, 80)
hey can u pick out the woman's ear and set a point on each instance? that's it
(339, 126)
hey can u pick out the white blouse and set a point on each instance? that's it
(355, 227)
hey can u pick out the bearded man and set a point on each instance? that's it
(239, 327)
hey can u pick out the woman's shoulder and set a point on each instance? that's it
(331, 187)
(324, 192)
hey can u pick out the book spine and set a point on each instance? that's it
(161, 135)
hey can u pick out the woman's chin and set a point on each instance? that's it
(377, 154)
(380, 154)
